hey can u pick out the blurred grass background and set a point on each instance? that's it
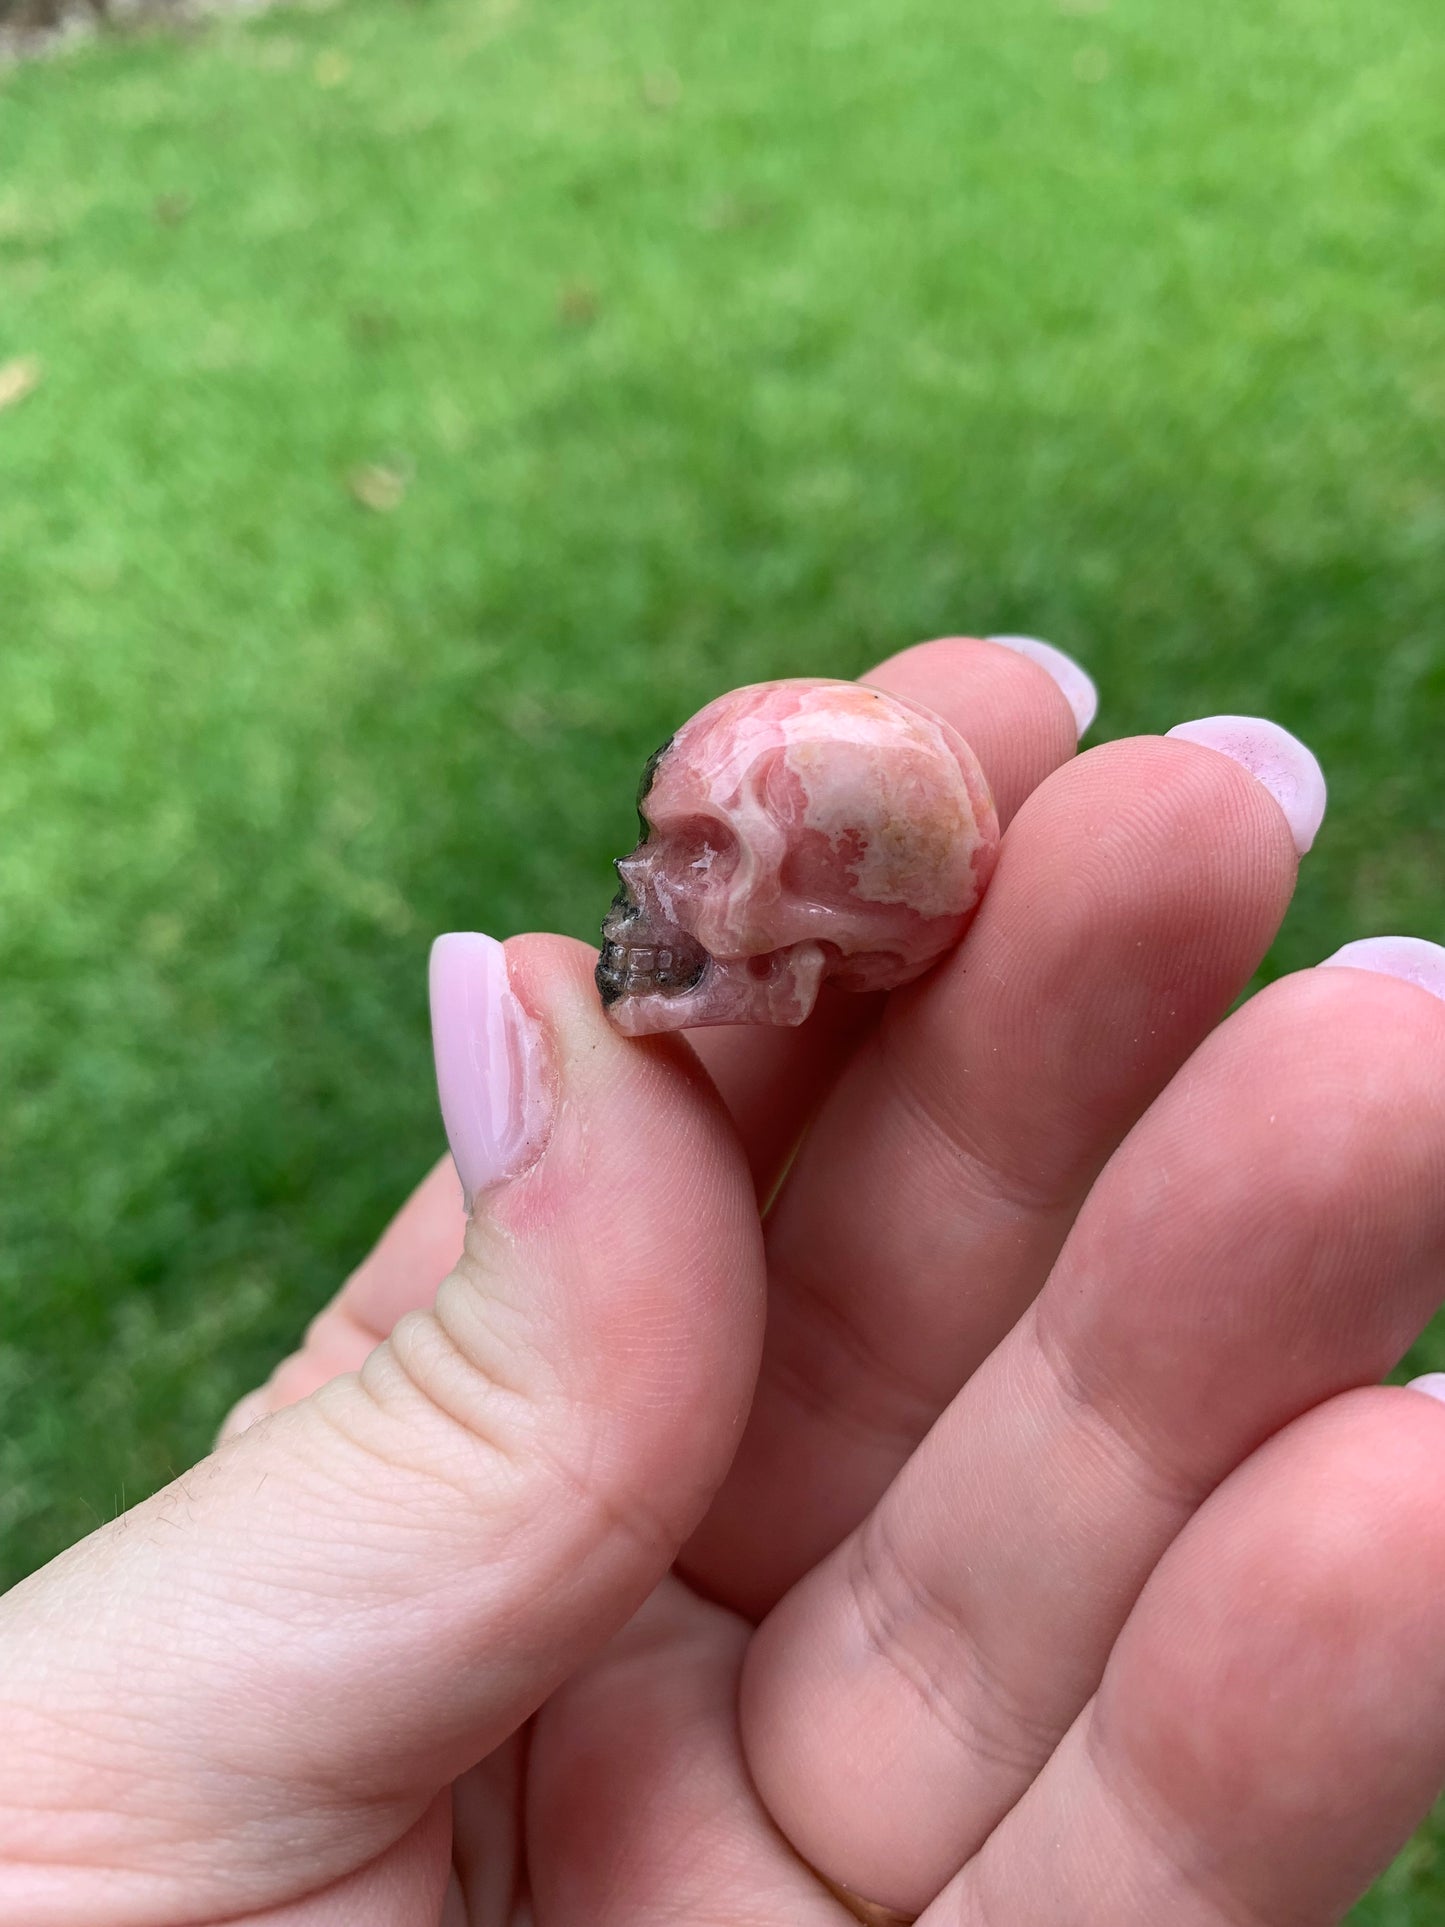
(431, 404)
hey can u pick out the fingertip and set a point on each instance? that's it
(1287, 768)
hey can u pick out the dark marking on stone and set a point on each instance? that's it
(611, 970)
(649, 773)
(611, 973)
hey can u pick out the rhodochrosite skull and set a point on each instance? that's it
(794, 831)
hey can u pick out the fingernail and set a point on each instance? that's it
(1076, 684)
(490, 1070)
(1275, 758)
(1432, 1384)
(1412, 958)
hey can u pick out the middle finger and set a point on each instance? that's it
(1134, 896)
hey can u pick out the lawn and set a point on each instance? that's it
(430, 404)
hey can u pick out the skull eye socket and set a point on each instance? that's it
(697, 848)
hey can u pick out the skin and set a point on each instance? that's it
(1070, 1567)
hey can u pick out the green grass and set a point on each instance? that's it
(698, 344)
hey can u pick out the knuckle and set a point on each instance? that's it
(444, 1407)
(461, 1361)
(462, 1403)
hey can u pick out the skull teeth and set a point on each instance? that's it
(637, 969)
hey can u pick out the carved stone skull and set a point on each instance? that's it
(793, 832)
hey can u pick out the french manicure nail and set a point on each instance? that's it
(1412, 958)
(1077, 686)
(1274, 758)
(491, 1076)
(1432, 1384)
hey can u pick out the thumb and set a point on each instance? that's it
(347, 1605)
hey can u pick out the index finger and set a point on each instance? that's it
(1022, 721)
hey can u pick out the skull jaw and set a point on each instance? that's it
(654, 975)
(779, 989)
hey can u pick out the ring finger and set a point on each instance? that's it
(1272, 1233)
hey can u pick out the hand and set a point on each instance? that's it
(1070, 1568)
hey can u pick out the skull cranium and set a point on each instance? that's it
(793, 832)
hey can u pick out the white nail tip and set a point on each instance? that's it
(1432, 1384)
(1410, 958)
(1078, 687)
(1281, 762)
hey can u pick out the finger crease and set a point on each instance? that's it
(1135, 1453)
(961, 1692)
(882, 1403)
(985, 1176)
(1144, 1813)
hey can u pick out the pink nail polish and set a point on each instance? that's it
(1274, 758)
(1412, 958)
(1432, 1384)
(491, 1075)
(1076, 684)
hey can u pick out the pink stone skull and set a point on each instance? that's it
(794, 832)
